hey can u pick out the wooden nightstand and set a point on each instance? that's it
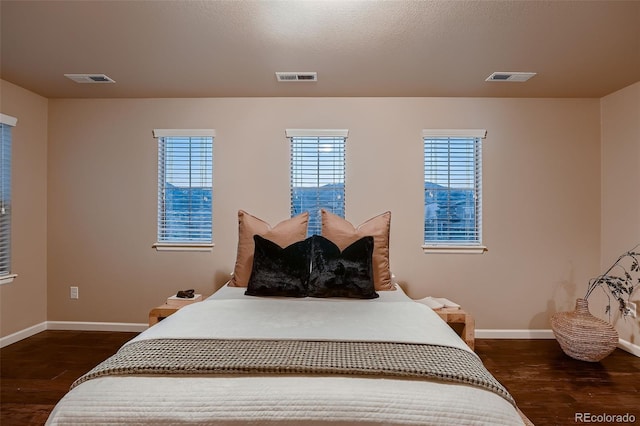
(454, 316)
(161, 312)
(170, 307)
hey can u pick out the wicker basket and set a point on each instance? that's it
(583, 336)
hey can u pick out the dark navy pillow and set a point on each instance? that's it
(279, 271)
(341, 274)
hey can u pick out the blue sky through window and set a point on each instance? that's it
(317, 177)
(452, 183)
(185, 185)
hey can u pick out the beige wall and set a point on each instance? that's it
(621, 186)
(541, 197)
(23, 303)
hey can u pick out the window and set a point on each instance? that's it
(185, 189)
(6, 124)
(317, 173)
(453, 190)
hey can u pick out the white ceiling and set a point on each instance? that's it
(358, 48)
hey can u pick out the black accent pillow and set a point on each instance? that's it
(279, 271)
(342, 274)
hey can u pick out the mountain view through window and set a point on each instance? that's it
(185, 189)
(452, 190)
(317, 178)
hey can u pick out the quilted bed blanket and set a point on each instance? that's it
(233, 360)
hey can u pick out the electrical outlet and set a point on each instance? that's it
(632, 309)
(74, 293)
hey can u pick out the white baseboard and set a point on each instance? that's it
(22, 334)
(71, 325)
(96, 326)
(543, 334)
(139, 327)
(629, 347)
(514, 334)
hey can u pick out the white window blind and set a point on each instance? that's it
(317, 173)
(185, 186)
(453, 187)
(6, 124)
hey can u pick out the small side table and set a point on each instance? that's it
(458, 316)
(161, 312)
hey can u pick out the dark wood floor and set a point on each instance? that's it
(550, 388)
(36, 372)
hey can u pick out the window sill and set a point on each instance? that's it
(183, 247)
(454, 249)
(6, 279)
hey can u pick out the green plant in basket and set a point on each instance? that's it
(619, 281)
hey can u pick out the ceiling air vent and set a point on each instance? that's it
(90, 78)
(296, 76)
(518, 77)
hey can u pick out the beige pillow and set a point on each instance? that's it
(284, 234)
(342, 233)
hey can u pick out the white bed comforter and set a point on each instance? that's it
(312, 400)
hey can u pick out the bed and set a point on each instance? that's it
(284, 389)
(308, 331)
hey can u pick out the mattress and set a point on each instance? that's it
(290, 399)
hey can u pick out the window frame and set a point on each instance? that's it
(315, 223)
(451, 246)
(6, 120)
(160, 135)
